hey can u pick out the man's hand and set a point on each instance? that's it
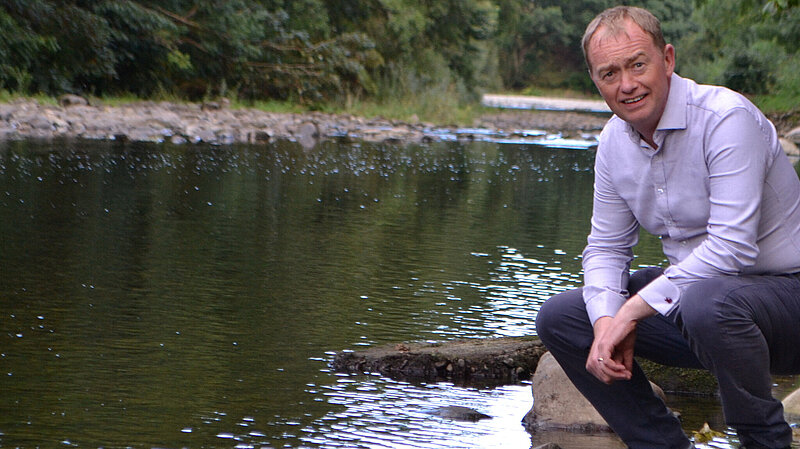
(611, 356)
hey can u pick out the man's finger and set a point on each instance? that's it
(607, 370)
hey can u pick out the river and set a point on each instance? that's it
(192, 296)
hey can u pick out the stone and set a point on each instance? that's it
(56, 122)
(476, 362)
(40, 122)
(789, 147)
(459, 413)
(791, 406)
(794, 135)
(67, 100)
(260, 136)
(558, 405)
(222, 103)
(307, 134)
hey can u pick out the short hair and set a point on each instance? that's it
(614, 20)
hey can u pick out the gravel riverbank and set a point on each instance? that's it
(216, 123)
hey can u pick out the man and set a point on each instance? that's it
(703, 169)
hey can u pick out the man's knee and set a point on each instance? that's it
(559, 314)
(547, 318)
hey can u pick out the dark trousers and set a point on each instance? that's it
(741, 328)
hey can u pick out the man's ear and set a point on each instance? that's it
(669, 58)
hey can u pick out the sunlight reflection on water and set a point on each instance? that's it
(520, 286)
(378, 412)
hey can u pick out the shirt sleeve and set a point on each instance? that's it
(738, 156)
(609, 250)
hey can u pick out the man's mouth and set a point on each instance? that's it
(633, 100)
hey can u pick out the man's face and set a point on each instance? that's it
(632, 75)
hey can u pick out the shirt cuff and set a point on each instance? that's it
(604, 304)
(661, 294)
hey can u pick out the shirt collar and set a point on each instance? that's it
(674, 115)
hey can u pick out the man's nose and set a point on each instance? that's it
(628, 82)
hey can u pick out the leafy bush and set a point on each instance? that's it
(750, 70)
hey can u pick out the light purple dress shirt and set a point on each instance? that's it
(719, 192)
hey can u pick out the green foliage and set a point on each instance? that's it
(52, 46)
(146, 48)
(750, 69)
(191, 48)
(785, 93)
(747, 45)
(539, 42)
(440, 54)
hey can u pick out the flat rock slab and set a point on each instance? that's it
(491, 362)
(479, 361)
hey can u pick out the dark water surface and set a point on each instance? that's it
(179, 296)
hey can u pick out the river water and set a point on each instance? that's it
(193, 296)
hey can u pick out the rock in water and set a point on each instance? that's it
(791, 406)
(557, 404)
(459, 413)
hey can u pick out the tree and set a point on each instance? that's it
(60, 45)
(748, 45)
(540, 41)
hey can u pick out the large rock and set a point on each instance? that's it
(791, 406)
(474, 361)
(557, 404)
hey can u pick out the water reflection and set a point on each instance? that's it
(383, 413)
(520, 285)
(160, 296)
